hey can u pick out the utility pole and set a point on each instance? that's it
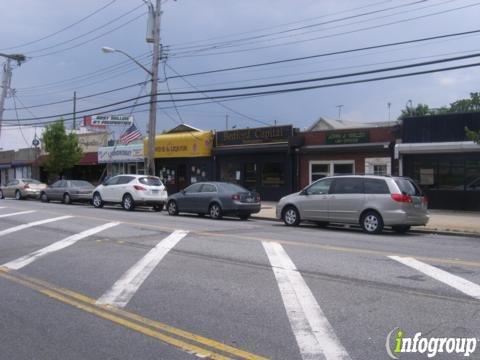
(74, 110)
(6, 80)
(339, 111)
(7, 75)
(226, 122)
(389, 104)
(152, 120)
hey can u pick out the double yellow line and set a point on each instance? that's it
(181, 339)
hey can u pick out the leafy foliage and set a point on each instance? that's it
(63, 149)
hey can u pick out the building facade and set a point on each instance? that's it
(122, 159)
(436, 153)
(19, 164)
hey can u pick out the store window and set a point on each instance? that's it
(198, 173)
(167, 174)
(378, 166)
(250, 175)
(320, 169)
(230, 172)
(451, 175)
(273, 174)
(472, 175)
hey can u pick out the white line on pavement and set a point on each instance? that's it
(315, 336)
(17, 213)
(465, 286)
(35, 223)
(59, 245)
(123, 290)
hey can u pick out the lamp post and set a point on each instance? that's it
(154, 15)
(6, 79)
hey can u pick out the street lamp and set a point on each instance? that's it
(154, 31)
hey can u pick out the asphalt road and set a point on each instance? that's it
(84, 283)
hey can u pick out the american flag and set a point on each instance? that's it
(132, 133)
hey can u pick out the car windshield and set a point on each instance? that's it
(81, 184)
(150, 181)
(408, 187)
(31, 181)
(233, 188)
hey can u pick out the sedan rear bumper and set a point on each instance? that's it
(243, 208)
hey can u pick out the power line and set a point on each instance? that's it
(289, 90)
(168, 88)
(332, 35)
(270, 85)
(62, 29)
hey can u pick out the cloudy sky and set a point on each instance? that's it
(62, 40)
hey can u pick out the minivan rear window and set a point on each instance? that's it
(150, 181)
(408, 187)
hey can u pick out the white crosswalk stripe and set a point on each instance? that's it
(59, 245)
(17, 213)
(125, 287)
(31, 224)
(315, 336)
(463, 285)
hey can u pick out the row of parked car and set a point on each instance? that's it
(373, 202)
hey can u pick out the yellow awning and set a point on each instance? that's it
(187, 144)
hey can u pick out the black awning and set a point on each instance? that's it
(251, 149)
(376, 146)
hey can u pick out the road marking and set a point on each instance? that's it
(193, 344)
(465, 286)
(35, 223)
(59, 245)
(314, 334)
(125, 287)
(17, 213)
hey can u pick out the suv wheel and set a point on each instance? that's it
(158, 207)
(128, 203)
(215, 211)
(291, 216)
(401, 229)
(97, 200)
(372, 222)
(18, 195)
(172, 208)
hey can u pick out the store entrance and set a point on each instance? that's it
(181, 177)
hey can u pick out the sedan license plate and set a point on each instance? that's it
(249, 199)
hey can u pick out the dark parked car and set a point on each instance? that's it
(68, 191)
(216, 199)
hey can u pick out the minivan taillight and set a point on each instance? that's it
(236, 197)
(402, 198)
(138, 187)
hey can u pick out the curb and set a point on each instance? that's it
(420, 231)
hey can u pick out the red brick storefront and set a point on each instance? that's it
(358, 151)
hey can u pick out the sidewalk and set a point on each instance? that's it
(441, 221)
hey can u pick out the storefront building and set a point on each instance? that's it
(366, 148)
(19, 164)
(436, 153)
(89, 168)
(183, 156)
(260, 159)
(122, 159)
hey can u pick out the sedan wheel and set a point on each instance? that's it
(372, 223)
(172, 208)
(18, 195)
(67, 199)
(215, 211)
(44, 198)
(128, 203)
(291, 217)
(97, 200)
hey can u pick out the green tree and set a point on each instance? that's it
(466, 105)
(473, 135)
(63, 149)
(419, 110)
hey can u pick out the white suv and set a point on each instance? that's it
(131, 190)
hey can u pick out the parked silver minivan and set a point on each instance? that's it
(371, 201)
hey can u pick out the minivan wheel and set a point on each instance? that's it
(291, 216)
(1, 195)
(172, 208)
(128, 203)
(18, 195)
(401, 229)
(215, 211)
(97, 200)
(372, 222)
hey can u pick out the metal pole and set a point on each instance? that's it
(7, 75)
(152, 121)
(226, 122)
(74, 110)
